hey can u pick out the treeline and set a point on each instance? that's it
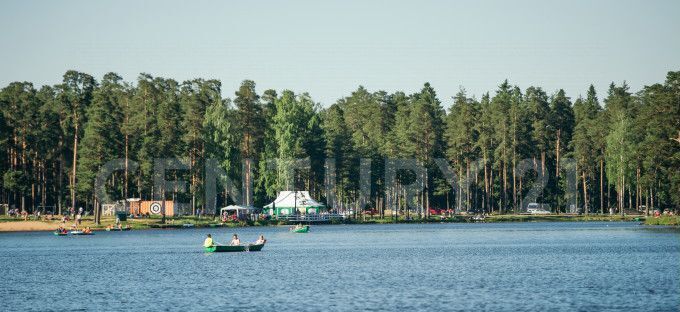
(626, 148)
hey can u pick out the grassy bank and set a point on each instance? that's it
(663, 220)
(15, 224)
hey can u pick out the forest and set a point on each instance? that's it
(624, 144)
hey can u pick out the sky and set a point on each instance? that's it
(329, 48)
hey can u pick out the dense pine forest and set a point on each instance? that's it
(622, 146)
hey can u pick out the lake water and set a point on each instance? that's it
(412, 267)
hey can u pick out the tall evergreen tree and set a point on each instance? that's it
(461, 136)
(265, 187)
(562, 119)
(584, 142)
(196, 96)
(102, 139)
(251, 125)
(76, 94)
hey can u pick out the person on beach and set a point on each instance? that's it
(260, 240)
(208, 241)
(235, 241)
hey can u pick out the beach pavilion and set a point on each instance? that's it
(288, 201)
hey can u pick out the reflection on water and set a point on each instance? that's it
(427, 267)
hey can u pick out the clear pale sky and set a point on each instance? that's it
(328, 48)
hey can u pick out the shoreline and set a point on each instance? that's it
(13, 226)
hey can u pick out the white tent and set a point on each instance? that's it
(287, 201)
(238, 211)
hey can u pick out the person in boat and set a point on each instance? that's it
(87, 230)
(235, 241)
(61, 229)
(208, 241)
(260, 240)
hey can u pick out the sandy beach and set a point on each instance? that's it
(20, 226)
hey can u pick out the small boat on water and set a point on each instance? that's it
(81, 233)
(57, 233)
(117, 229)
(300, 229)
(238, 248)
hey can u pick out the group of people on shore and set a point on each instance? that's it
(118, 226)
(235, 241)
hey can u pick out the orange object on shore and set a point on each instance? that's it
(152, 207)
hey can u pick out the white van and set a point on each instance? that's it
(535, 208)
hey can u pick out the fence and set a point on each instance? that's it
(311, 217)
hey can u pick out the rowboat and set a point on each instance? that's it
(60, 233)
(238, 248)
(300, 229)
(81, 233)
(117, 229)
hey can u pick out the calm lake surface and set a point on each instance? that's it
(426, 267)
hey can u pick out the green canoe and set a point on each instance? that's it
(303, 229)
(60, 233)
(226, 248)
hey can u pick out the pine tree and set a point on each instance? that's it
(584, 141)
(145, 137)
(265, 184)
(76, 94)
(251, 125)
(195, 97)
(102, 140)
(20, 107)
(461, 135)
(486, 145)
(501, 105)
(222, 140)
(562, 119)
(338, 149)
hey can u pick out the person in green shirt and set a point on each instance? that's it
(208, 241)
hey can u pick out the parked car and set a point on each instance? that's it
(434, 211)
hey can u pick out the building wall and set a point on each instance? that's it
(152, 207)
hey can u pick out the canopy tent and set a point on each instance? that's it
(287, 201)
(239, 212)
